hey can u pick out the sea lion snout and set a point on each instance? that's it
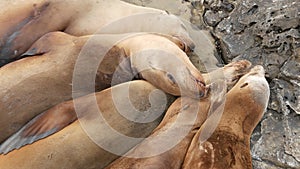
(185, 43)
(255, 80)
(258, 85)
(198, 83)
(189, 46)
(202, 89)
(194, 88)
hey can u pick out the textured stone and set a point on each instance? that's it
(276, 141)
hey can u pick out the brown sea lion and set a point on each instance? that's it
(24, 22)
(72, 147)
(190, 115)
(62, 147)
(229, 145)
(34, 84)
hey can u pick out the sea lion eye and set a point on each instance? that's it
(171, 78)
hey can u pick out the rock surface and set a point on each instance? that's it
(266, 32)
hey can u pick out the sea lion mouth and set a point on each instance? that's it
(205, 93)
(199, 86)
(188, 48)
(201, 89)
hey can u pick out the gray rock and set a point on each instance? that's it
(276, 141)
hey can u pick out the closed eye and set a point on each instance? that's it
(171, 78)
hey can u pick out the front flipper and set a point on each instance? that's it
(43, 125)
(230, 73)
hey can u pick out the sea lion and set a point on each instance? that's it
(193, 114)
(147, 154)
(32, 85)
(24, 22)
(78, 150)
(63, 146)
(229, 145)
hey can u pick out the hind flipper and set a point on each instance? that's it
(43, 125)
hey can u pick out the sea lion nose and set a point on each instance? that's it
(202, 89)
(190, 47)
(188, 43)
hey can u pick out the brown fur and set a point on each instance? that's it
(187, 108)
(22, 23)
(73, 148)
(34, 84)
(174, 157)
(229, 145)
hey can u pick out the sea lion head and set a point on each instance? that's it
(180, 32)
(174, 75)
(184, 42)
(249, 99)
(254, 83)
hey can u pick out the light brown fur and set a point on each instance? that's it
(34, 84)
(24, 22)
(229, 145)
(73, 148)
(187, 125)
(53, 144)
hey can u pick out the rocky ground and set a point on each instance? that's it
(266, 32)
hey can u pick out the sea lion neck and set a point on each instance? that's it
(238, 108)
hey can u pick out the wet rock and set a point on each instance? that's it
(213, 18)
(265, 165)
(278, 144)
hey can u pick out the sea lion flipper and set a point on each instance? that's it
(43, 125)
(32, 52)
(17, 140)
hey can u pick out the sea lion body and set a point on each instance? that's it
(73, 148)
(190, 115)
(45, 79)
(229, 145)
(183, 108)
(172, 158)
(25, 22)
(31, 85)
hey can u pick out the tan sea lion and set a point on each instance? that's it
(79, 151)
(34, 84)
(24, 22)
(147, 154)
(229, 145)
(62, 147)
(186, 108)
